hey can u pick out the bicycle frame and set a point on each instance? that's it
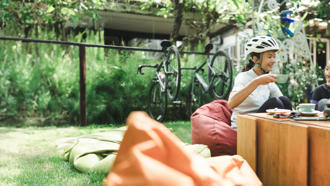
(158, 77)
(210, 72)
(158, 68)
(166, 84)
(162, 84)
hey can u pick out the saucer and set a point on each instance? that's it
(272, 111)
(310, 113)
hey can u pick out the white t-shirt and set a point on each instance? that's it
(255, 100)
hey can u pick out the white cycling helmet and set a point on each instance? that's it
(261, 44)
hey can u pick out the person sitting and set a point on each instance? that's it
(254, 86)
(322, 93)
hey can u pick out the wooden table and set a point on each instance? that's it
(285, 152)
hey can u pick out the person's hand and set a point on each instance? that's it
(266, 78)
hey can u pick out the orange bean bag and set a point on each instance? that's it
(150, 155)
(210, 125)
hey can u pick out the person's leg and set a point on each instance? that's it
(286, 102)
(271, 103)
(320, 105)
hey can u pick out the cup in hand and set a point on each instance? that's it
(306, 107)
(282, 78)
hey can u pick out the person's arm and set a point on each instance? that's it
(237, 97)
(314, 102)
(317, 96)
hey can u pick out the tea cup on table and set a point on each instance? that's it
(306, 107)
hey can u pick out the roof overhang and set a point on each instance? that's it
(148, 26)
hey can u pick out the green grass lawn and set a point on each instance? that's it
(28, 156)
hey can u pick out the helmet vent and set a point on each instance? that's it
(271, 42)
(266, 44)
(260, 47)
(249, 45)
(254, 40)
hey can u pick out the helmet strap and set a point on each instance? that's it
(259, 65)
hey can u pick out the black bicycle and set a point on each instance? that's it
(219, 78)
(166, 84)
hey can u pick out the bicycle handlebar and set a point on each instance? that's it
(141, 66)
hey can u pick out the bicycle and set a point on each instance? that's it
(219, 78)
(166, 84)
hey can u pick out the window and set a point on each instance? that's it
(241, 52)
(226, 50)
(232, 52)
(319, 48)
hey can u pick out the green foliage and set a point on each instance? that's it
(42, 80)
(300, 79)
(323, 10)
(19, 14)
(206, 13)
(114, 87)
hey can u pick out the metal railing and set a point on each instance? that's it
(82, 61)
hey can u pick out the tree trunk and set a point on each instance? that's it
(177, 21)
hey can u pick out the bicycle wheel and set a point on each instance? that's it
(157, 102)
(195, 96)
(172, 72)
(223, 77)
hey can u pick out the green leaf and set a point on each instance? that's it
(50, 8)
(236, 4)
(144, 6)
(67, 11)
(304, 16)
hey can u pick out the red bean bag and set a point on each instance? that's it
(210, 125)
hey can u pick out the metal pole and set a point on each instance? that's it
(93, 45)
(82, 59)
